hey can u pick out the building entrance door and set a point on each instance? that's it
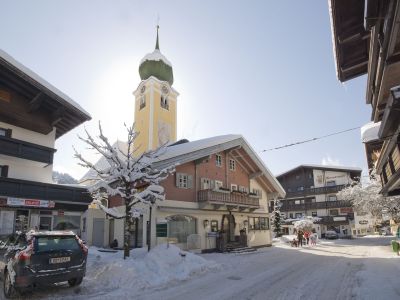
(228, 225)
(45, 223)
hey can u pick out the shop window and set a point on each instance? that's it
(299, 215)
(180, 227)
(291, 215)
(6, 222)
(331, 183)
(314, 214)
(67, 223)
(214, 226)
(258, 223)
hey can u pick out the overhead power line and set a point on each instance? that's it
(311, 140)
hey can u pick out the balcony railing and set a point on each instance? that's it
(22, 149)
(316, 191)
(315, 205)
(228, 198)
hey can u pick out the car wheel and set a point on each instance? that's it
(8, 287)
(75, 281)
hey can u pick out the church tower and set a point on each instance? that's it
(155, 102)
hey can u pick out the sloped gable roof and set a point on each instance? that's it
(190, 151)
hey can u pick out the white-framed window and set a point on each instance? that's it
(218, 160)
(257, 192)
(218, 184)
(314, 214)
(332, 198)
(142, 103)
(164, 102)
(243, 189)
(234, 187)
(184, 181)
(334, 212)
(232, 165)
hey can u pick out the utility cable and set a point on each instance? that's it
(312, 139)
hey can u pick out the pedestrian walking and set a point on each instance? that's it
(313, 238)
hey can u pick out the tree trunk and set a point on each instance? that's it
(127, 235)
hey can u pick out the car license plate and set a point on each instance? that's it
(60, 260)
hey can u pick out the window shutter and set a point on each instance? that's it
(4, 171)
(178, 176)
(190, 181)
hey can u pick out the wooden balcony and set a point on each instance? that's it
(230, 200)
(25, 150)
(314, 205)
(316, 191)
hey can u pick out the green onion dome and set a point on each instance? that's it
(157, 65)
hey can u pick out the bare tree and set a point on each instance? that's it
(130, 176)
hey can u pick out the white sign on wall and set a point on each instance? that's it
(339, 218)
(29, 202)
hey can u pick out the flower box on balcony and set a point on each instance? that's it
(254, 195)
(222, 190)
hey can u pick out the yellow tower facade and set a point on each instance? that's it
(155, 102)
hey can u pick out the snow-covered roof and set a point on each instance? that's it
(39, 80)
(156, 55)
(369, 132)
(323, 167)
(190, 151)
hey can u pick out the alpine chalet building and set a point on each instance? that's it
(311, 191)
(33, 114)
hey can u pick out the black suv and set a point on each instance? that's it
(41, 258)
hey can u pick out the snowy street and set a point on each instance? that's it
(364, 268)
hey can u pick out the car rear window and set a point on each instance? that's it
(54, 243)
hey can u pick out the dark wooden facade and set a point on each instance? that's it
(373, 49)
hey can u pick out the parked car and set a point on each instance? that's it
(41, 258)
(331, 235)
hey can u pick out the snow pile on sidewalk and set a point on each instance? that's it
(161, 266)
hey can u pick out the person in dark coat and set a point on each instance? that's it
(300, 237)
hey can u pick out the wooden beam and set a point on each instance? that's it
(255, 175)
(57, 116)
(35, 103)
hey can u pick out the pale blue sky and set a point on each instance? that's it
(263, 69)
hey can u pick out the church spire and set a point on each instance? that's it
(157, 44)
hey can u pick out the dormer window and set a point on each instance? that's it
(142, 103)
(164, 102)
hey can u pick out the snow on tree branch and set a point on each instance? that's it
(366, 198)
(127, 175)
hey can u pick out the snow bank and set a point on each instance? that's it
(109, 272)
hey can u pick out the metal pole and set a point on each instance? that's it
(149, 232)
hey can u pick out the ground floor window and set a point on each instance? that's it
(259, 223)
(180, 227)
(6, 222)
(66, 223)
